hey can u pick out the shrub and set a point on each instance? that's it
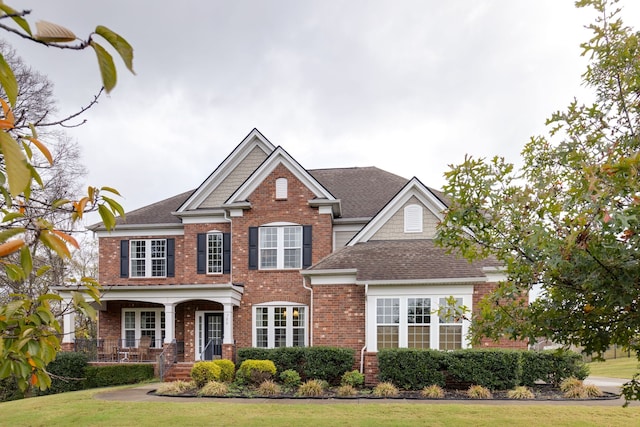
(256, 371)
(175, 388)
(213, 388)
(478, 392)
(575, 393)
(520, 392)
(269, 388)
(290, 378)
(9, 389)
(385, 389)
(352, 378)
(124, 373)
(570, 383)
(411, 369)
(432, 391)
(552, 367)
(327, 363)
(68, 372)
(493, 369)
(227, 369)
(203, 372)
(346, 390)
(311, 388)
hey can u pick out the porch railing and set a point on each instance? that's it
(168, 357)
(213, 350)
(119, 349)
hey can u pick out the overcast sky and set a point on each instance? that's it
(407, 86)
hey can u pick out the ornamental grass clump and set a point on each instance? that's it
(311, 388)
(592, 390)
(433, 391)
(521, 392)
(213, 388)
(479, 392)
(175, 388)
(269, 388)
(346, 391)
(385, 389)
(573, 388)
(568, 384)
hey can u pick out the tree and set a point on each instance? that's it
(567, 220)
(29, 331)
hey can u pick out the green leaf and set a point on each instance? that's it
(55, 243)
(11, 216)
(110, 190)
(12, 307)
(8, 81)
(115, 206)
(18, 19)
(107, 67)
(18, 173)
(42, 270)
(107, 216)
(11, 232)
(123, 48)
(25, 260)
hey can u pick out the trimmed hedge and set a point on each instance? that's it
(103, 376)
(256, 371)
(320, 363)
(68, 371)
(497, 369)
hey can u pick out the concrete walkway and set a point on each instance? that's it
(140, 394)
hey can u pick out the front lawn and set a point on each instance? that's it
(615, 368)
(81, 408)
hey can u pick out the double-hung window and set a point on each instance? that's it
(148, 258)
(279, 326)
(214, 253)
(280, 247)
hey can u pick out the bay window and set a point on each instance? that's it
(279, 325)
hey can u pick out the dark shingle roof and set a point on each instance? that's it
(362, 191)
(157, 213)
(401, 260)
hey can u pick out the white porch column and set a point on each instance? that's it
(69, 321)
(169, 323)
(228, 324)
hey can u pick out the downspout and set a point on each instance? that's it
(366, 332)
(230, 246)
(310, 289)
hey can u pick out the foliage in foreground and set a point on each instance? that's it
(567, 220)
(29, 330)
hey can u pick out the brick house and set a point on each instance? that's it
(265, 253)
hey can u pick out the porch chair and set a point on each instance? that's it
(142, 352)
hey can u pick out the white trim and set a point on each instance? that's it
(277, 157)
(254, 139)
(282, 188)
(413, 218)
(198, 331)
(271, 324)
(204, 220)
(403, 294)
(414, 188)
(148, 233)
(157, 341)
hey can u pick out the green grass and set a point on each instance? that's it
(82, 409)
(615, 368)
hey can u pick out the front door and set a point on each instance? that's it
(212, 335)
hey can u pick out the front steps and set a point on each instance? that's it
(179, 371)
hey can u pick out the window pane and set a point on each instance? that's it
(268, 237)
(137, 258)
(387, 337)
(280, 326)
(214, 253)
(419, 310)
(292, 237)
(293, 258)
(298, 326)
(450, 337)
(419, 337)
(450, 319)
(262, 323)
(388, 311)
(130, 338)
(268, 258)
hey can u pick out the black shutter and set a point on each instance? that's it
(306, 246)
(253, 248)
(226, 253)
(202, 253)
(171, 257)
(124, 258)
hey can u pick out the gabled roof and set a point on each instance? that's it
(279, 157)
(413, 188)
(363, 191)
(400, 261)
(250, 142)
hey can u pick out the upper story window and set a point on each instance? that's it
(214, 253)
(413, 219)
(148, 258)
(280, 247)
(281, 188)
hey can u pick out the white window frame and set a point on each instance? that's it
(148, 258)
(211, 265)
(413, 219)
(280, 248)
(282, 189)
(404, 293)
(292, 310)
(159, 330)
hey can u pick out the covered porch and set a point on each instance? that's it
(142, 323)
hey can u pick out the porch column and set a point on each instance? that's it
(69, 325)
(228, 324)
(169, 323)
